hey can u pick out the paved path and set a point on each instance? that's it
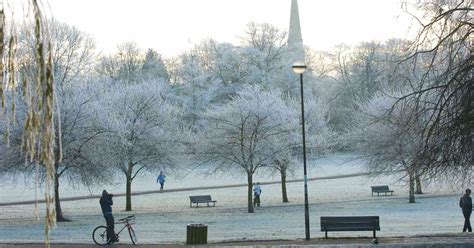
(76, 198)
(461, 240)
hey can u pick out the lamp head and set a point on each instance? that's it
(298, 66)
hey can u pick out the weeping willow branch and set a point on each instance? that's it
(37, 86)
(2, 35)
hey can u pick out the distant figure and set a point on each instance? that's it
(466, 205)
(161, 179)
(257, 191)
(106, 205)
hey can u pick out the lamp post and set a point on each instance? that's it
(299, 68)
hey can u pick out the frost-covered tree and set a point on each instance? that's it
(381, 135)
(212, 73)
(153, 66)
(361, 72)
(267, 48)
(130, 65)
(320, 138)
(238, 135)
(269, 41)
(196, 87)
(130, 60)
(124, 66)
(72, 53)
(73, 140)
(143, 131)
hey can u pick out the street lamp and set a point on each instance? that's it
(299, 68)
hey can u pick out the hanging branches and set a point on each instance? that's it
(444, 93)
(38, 94)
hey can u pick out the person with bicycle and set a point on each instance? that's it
(106, 205)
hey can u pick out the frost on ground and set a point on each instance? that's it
(162, 217)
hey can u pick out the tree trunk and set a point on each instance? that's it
(59, 212)
(249, 192)
(283, 185)
(418, 184)
(412, 186)
(128, 190)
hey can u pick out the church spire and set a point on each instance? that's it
(295, 42)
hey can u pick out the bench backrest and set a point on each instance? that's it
(379, 188)
(200, 198)
(346, 223)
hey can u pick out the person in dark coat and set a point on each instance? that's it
(106, 205)
(466, 205)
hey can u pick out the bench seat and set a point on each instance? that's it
(381, 189)
(196, 199)
(350, 223)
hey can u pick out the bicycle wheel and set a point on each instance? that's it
(99, 235)
(133, 237)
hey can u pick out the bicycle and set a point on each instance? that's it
(99, 235)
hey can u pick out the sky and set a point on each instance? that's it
(173, 26)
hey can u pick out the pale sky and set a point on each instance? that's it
(172, 26)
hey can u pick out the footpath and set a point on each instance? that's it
(452, 240)
(85, 197)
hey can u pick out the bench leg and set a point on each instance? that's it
(326, 234)
(374, 235)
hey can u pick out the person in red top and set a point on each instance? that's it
(466, 205)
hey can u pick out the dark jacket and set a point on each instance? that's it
(466, 203)
(106, 203)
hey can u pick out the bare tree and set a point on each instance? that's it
(73, 51)
(269, 40)
(445, 92)
(125, 66)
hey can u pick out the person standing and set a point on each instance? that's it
(161, 179)
(257, 191)
(106, 205)
(466, 205)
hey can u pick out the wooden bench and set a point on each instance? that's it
(196, 199)
(381, 189)
(350, 223)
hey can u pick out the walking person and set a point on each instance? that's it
(257, 191)
(161, 179)
(106, 205)
(466, 205)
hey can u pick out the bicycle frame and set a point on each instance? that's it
(99, 233)
(127, 225)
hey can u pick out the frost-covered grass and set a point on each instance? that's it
(162, 217)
